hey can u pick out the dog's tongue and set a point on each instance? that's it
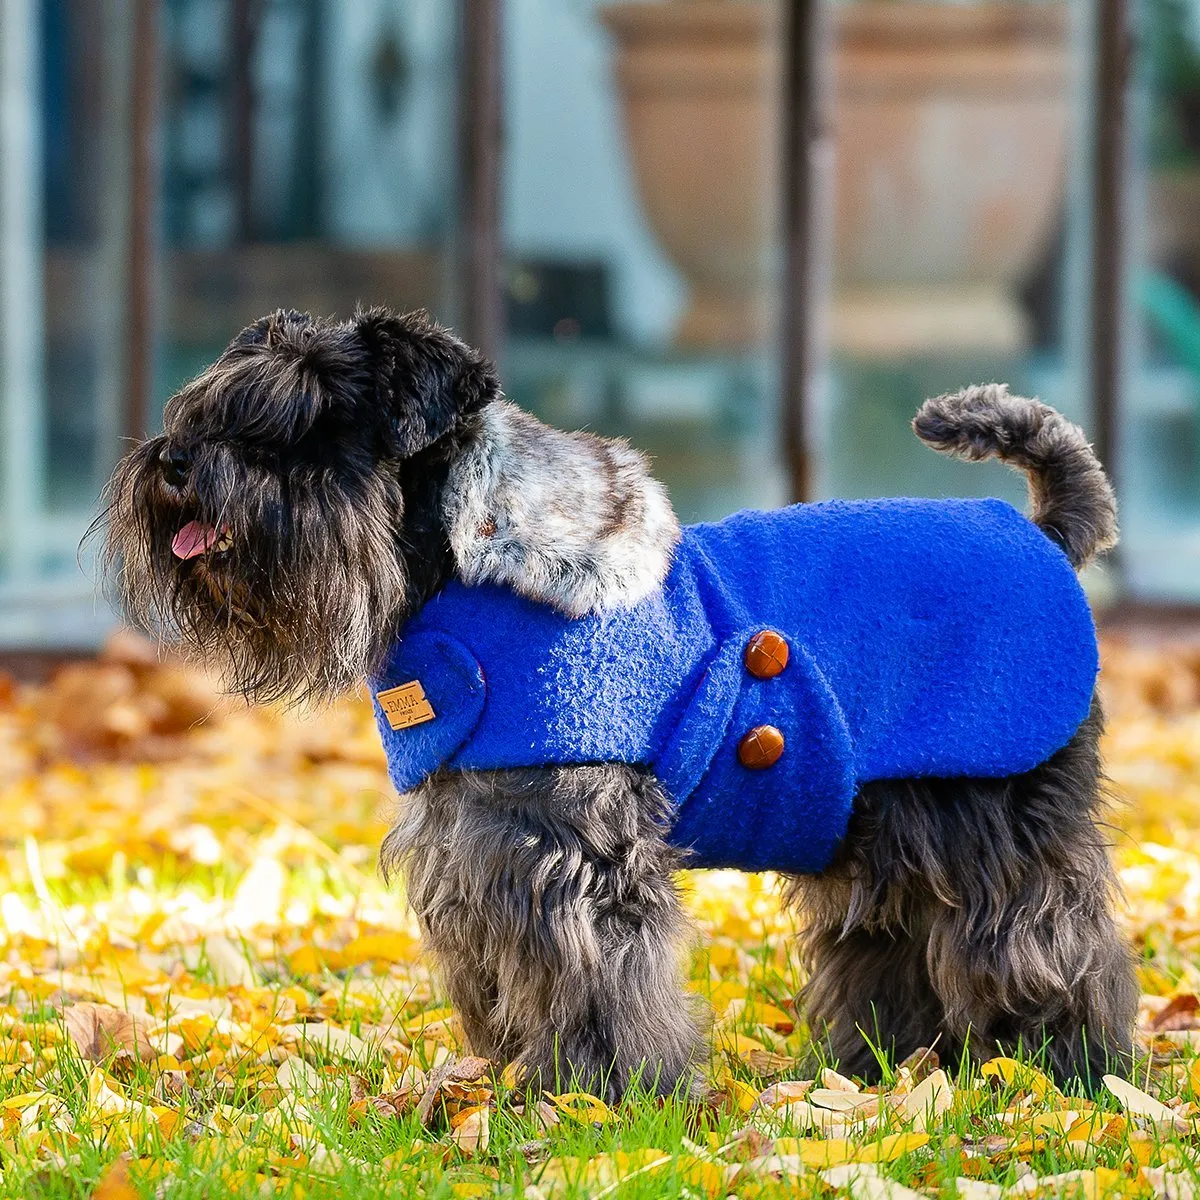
(194, 539)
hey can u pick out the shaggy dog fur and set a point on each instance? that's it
(355, 466)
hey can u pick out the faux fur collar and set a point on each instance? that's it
(568, 519)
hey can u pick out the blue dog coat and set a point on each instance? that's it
(926, 639)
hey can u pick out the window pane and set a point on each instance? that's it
(1160, 432)
(308, 153)
(954, 141)
(62, 211)
(640, 187)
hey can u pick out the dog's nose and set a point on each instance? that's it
(174, 463)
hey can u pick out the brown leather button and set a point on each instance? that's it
(761, 747)
(766, 654)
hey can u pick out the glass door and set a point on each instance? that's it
(1160, 427)
(64, 210)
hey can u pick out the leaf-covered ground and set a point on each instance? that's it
(205, 990)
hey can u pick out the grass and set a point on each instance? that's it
(205, 990)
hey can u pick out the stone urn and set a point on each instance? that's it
(950, 147)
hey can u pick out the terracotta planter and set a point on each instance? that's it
(951, 125)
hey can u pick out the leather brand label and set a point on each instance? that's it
(406, 705)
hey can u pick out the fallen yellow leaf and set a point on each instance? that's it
(469, 1129)
(714, 1179)
(387, 947)
(1019, 1075)
(114, 1184)
(1140, 1104)
(830, 1152)
(582, 1107)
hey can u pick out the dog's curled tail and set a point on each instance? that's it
(1072, 500)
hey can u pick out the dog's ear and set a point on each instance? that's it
(425, 376)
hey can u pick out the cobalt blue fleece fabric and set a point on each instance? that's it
(926, 638)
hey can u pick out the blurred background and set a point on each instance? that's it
(750, 235)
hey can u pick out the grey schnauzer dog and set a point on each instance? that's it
(322, 480)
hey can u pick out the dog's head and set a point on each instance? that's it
(286, 522)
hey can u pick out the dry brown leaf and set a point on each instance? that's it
(1181, 1012)
(921, 1063)
(925, 1103)
(357, 1109)
(534, 1152)
(403, 1099)
(787, 1091)
(470, 1130)
(768, 1064)
(471, 1069)
(746, 1145)
(862, 1104)
(99, 1030)
(833, 1082)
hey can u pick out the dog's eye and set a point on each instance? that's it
(174, 463)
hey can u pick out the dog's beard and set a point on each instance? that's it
(291, 586)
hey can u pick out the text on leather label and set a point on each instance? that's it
(406, 705)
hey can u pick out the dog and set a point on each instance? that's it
(327, 492)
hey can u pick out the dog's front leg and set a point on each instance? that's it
(548, 900)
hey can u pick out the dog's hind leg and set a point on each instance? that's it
(548, 901)
(1033, 957)
(868, 985)
(1003, 889)
(868, 992)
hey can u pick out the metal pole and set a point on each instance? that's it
(480, 167)
(111, 268)
(143, 190)
(241, 115)
(807, 177)
(1113, 56)
(22, 332)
